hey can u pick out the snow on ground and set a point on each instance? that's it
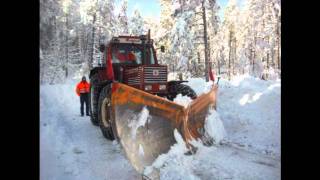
(248, 110)
(71, 148)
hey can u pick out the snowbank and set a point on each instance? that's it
(250, 110)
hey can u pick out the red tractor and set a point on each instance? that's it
(131, 101)
(130, 60)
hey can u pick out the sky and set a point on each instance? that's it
(151, 8)
(147, 8)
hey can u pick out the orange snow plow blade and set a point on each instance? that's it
(144, 123)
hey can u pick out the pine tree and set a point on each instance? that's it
(122, 27)
(136, 24)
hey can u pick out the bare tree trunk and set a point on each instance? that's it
(254, 52)
(188, 65)
(219, 60)
(80, 45)
(278, 44)
(195, 68)
(251, 58)
(199, 62)
(272, 54)
(205, 41)
(67, 48)
(268, 61)
(234, 55)
(99, 35)
(92, 42)
(268, 66)
(180, 76)
(230, 49)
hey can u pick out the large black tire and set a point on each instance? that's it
(184, 90)
(104, 112)
(94, 97)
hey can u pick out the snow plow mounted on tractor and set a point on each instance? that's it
(132, 101)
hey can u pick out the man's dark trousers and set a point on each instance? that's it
(84, 98)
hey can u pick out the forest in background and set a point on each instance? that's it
(246, 41)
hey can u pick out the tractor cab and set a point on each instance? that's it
(130, 50)
(129, 53)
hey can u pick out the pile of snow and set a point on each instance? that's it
(250, 110)
(214, 127)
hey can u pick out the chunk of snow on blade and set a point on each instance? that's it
(141, 152)
(182, 100)
(139, 121)
(214, 126)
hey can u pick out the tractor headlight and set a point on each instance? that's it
(162, 87)
(147, 87)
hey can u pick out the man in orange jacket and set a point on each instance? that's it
(82, 90)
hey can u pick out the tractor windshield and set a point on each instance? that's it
(131, 54)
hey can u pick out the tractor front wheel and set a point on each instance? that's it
(104, 114)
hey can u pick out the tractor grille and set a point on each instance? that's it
(133, 75)
(156, 74)
(151, 74)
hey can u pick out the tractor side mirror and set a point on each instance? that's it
(162, 48)
(102, 47)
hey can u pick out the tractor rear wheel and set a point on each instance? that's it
(94, 96)
(182, 89)
(104, 112)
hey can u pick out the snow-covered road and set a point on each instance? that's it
(71, 148)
